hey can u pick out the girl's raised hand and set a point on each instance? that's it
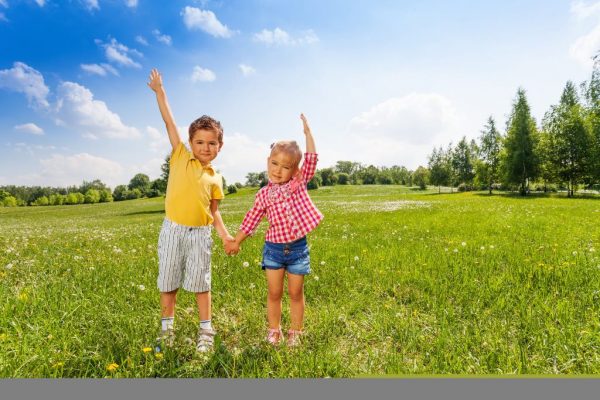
(305, 124)
(155, 80)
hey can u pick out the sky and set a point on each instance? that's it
(381, 82)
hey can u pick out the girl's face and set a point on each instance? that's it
(281, 167)
(205, 145)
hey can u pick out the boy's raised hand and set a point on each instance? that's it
(155, 82)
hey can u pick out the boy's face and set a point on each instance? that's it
(280, 167)
(205, 145)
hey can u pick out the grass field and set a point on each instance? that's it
(403, 282)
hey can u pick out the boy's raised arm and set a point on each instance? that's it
(155, 84)
(310, 142)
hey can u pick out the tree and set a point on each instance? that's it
(421, 177)
(92, 196)
(347, 167)
(120, 193)
(106, 196)
(591, 91)
(343, 178)
(327, 176)
(567, 139)
(439, 173)
(231, 189)
(520, 159)
(462, 162)
(490, 144)
(140, 182)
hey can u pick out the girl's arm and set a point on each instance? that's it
(163, 105)
(310, 142)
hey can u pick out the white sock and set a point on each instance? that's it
(206, 324)
(167, 323)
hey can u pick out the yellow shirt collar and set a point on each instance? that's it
(208, 168)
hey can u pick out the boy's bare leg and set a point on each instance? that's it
(274, 293)
(204, 307)
(296, 292)
(167, 303)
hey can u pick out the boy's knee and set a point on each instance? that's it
(296, 294)
(275, 295)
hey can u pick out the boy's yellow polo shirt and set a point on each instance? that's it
(190, 189)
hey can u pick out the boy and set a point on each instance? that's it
(191, 206)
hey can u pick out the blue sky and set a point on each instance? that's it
(382, 82)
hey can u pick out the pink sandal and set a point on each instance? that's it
(274, 336)
(293, 339)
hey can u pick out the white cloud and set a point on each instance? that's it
(166, 39)
(582, 10)
(76, 106)
(280, 37)
(159, 141)
(241, 154)
(3, 17)
(402, 130)
(202, 75)
(4, 3)
(141, 40)
(62, 170)
(247, 70)
(585, 47)
(30, 128)
(99, 69)
(131, 3)
(91, 4)
(119, 53)
(24, 79)
(40, 2)
(195, 18)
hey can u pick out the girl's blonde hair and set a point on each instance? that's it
(289, 147)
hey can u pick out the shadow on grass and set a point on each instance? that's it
(149, 212)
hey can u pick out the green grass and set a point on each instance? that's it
(403, 282)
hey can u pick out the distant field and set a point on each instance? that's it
(403, 282)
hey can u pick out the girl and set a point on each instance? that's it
(291, 215)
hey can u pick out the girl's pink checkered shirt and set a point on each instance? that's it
(290, 211)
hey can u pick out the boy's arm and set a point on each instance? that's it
(218, 222)
(163, 105)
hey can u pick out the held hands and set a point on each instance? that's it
(155, 82)
(231, 246)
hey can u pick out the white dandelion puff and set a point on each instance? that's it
(245, 264)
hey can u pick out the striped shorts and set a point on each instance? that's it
(184, 257)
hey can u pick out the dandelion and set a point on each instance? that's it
(591, 250)
(112, 367)
(159, 356)
(344, 237)
(141, 287)
(492, 246)
(8, 266)
(356, 258)
(23, 296)
(92, 269)
(252, 286)
(455, 250)
(482, 248)
(189, 310)
(463, 244)
(189, 341)
(445, 249)
(316, 278)
(58, 364)
(574, 253)
(147, 350)
(245, 264)
(322, 262)
(117, 250)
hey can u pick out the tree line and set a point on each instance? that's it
(562, 153)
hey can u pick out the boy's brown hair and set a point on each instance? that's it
(206, 123)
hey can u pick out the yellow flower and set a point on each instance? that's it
(159, 356)
(58, 364)
(146, 349)
(112, 367)
(23, 296)
(2, 337)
